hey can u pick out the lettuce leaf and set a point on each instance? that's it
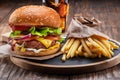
(61, 40)
(40, 32)
(45, 31)
(15, 33)
(34, 32)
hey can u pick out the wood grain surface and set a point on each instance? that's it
(108, 11)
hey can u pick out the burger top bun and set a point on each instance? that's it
(33, 15)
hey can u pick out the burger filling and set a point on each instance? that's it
(35, 38)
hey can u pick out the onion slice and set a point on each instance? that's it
(25, 37)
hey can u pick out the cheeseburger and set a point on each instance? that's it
(35, 31)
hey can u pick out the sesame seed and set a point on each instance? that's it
(36, 20)
(19, 20)
(41, 23)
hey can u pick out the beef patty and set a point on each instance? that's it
(34, 44)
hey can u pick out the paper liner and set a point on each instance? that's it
(79, 30)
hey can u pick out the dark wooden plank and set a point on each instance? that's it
(109, 74)
(4, 10)
(21, 74)
(5, 68)
(4, 23)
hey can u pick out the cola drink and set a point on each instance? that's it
(61, 6)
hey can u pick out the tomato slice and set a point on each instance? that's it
(28, 39)
(20, 28)
(52, 37)
(31, 38)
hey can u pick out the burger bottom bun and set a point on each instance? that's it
(46, 52)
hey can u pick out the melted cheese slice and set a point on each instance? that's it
(45, 42)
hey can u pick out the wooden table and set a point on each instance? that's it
(108, 11)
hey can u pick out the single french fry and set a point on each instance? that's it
(98, 46)
(64, 57)
(77, 52)
(86, 47)
(73, 48)
(63, 48)
(114, 45)
(80, 50)
(107, 52)
(69, 44)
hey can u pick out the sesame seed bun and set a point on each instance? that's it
(33, 15)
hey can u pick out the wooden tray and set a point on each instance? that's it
(71, 66)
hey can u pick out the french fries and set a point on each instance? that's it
(90, 47)
(108, 55)
(107, 45)
(71, 52)
(86, 47)
(64, 57)
(64, 47)
(69, 44)
(79, 50)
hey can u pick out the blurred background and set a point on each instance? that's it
(107, 11)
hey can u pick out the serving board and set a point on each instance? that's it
(36, 58)
(71, 66)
